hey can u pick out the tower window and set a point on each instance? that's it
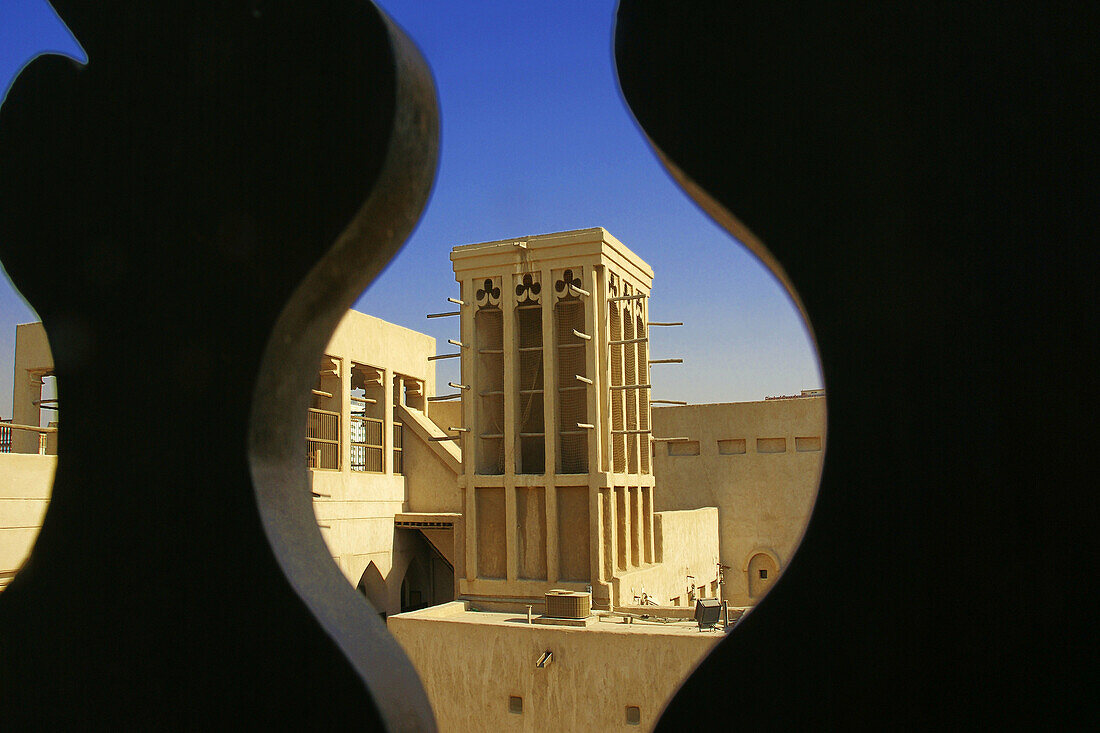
(515, 704)
(763, 574)
(532, 436)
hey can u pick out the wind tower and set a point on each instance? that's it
(557, 480)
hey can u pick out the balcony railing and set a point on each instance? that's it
(6, 429)
(323, 439)
(366, 444)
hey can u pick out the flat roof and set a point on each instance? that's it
(609, 245)
(456, 612)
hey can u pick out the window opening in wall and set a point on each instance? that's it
(413, 396)
(515, 704)
(489, 336)
(323, 418)
(569, 316)
(630, 366)
(409, 392)
(618, 419)
(763, 574)
(643, 394)
(398, 447)
(532, 428)
(633, 715)
(367, 426)
(416, 587)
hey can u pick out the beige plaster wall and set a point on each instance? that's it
(431, 484)
(689, 544)
(470, 669)
(26, 481)
(492, 560)
(446, 414)
(764, 499)
(368, 340)
(355, 510)
(574, 533)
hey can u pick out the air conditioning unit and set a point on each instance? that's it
(568, 604)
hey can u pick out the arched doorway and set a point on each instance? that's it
(762, 573)
(415, 587)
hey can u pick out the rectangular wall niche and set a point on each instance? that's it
(531, 532)
(731, 447)
(573, 528)
(683, 448)
(491, 535)
(771, 445)
(806, 445)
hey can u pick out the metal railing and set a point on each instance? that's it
(323, 439)
(366, 444)
(6, 434)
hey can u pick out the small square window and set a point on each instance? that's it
(515, 704)
(633, 715)
(763, 574)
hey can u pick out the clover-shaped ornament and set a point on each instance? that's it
(562, 285)
(528, 289)
(488, 295)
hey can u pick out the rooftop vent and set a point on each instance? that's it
(568, 604)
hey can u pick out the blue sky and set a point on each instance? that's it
(536, 139)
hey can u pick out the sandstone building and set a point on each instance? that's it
(456, 508)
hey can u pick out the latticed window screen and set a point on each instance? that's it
(631, 395)
(489, 332)
(618, 440)
(572, 393)
(530, 383)
(643, 394)
(323, 439)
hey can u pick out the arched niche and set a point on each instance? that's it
(373, 587)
